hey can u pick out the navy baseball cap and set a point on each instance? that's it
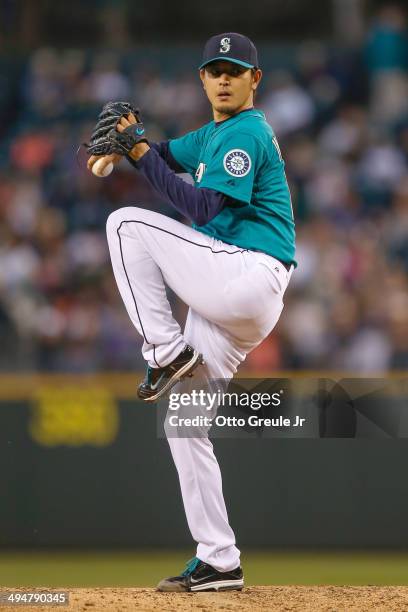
(231, 47)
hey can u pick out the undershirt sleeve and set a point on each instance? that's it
(163, 149)
(197, 205)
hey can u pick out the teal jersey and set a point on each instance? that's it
(240, 157)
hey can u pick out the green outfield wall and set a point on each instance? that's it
(81, 465)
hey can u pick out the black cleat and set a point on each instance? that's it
(160, 380)
(199, 576)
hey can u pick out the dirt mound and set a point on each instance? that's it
(302, 598)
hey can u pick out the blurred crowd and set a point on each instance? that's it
(341, 117)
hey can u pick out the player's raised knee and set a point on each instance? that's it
(118, 216)
(132, 214)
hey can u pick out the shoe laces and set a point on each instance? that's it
(190, 566)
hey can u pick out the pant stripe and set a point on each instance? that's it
(206, 246)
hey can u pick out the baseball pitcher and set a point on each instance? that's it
(231, 268)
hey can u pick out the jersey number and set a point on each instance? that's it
(276, 145)
(200, 171)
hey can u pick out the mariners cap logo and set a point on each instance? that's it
(237, 162)
(225, 44)
(232, 46)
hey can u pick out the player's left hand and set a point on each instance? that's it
(118, 129)
(141, 147)
(125, 122)
(119, 140)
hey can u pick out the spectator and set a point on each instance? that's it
(346, 164)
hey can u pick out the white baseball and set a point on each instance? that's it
(99, 170)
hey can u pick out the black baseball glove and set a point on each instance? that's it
(105, 139)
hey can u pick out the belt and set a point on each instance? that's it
(286, 265)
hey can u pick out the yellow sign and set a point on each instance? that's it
(74, 416)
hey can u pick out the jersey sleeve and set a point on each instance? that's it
(233, 167)
(186, 150)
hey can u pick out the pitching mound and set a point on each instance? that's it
(302, 598)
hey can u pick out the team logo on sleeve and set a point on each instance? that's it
(237, 162)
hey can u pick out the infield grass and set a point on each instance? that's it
(146, 568)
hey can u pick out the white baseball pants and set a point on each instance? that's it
(235, 298)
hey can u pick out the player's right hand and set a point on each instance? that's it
(113, 158)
